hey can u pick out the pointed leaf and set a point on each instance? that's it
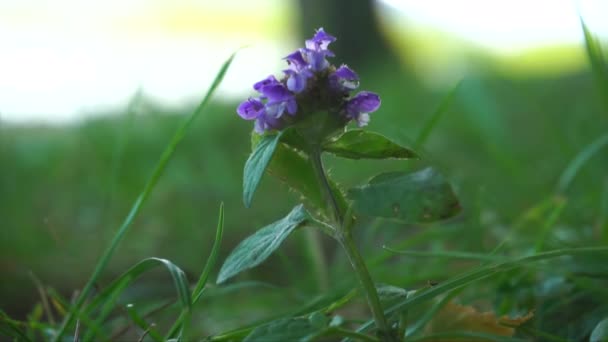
(423, 196)
(256, 165)
(259, 246)
(361, 144)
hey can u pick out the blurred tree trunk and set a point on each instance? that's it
(355, 25)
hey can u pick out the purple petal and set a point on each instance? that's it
(320, 40)
(296, 60)
(292, 107)
(296, 81)
(250, 109)
(316, 59)
(276, 93)
(364, 102)
(266, 122)
(270, 80)
(344, 79)
(346, 73)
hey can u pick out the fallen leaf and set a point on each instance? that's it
(459, 318)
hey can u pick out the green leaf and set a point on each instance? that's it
(295, 170)
(259, 246)
(420, 197)
(600, 332)
(362, 144)
(388, 293)
(256, 165)
(286, 329)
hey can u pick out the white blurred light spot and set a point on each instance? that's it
(508, 25)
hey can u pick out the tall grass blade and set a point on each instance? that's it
(142, 324)
(11, 328)
(448, 255)
(202, 280)
(141, 199)
(432, 122)
(597, 60)
(579, 161)
(465, 336)
(108, 297)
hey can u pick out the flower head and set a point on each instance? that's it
(310, 85)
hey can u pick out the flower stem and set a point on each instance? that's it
(317, 165)
(344, 237)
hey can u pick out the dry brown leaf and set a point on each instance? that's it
(455, 317)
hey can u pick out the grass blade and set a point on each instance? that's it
(432, 122)
(202, 281)
(448, 255)
(141, 199)
(212, 260)
(108, 297)
(597, 60)
(482, 273)
(579, 161)
(466, 336)
(11, 328)
(142, 324)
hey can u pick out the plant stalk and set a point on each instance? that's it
(344, 237)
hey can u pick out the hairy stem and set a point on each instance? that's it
(344, 237)
(317, 165)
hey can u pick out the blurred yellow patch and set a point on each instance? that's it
(189, 18)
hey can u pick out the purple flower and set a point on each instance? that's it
(316, 50)
(254, 109)
(309, 75)
(316, 59)
(266, 122)
(360, 105)
(344, 79)
(279, 100)
(250, 109)
(270, 80)
(320, 41)
(296, 61)
(296, 81)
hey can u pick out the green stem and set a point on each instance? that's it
(344, 237)
(358, 264)
(317, 165)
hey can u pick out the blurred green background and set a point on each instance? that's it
(515, 123)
